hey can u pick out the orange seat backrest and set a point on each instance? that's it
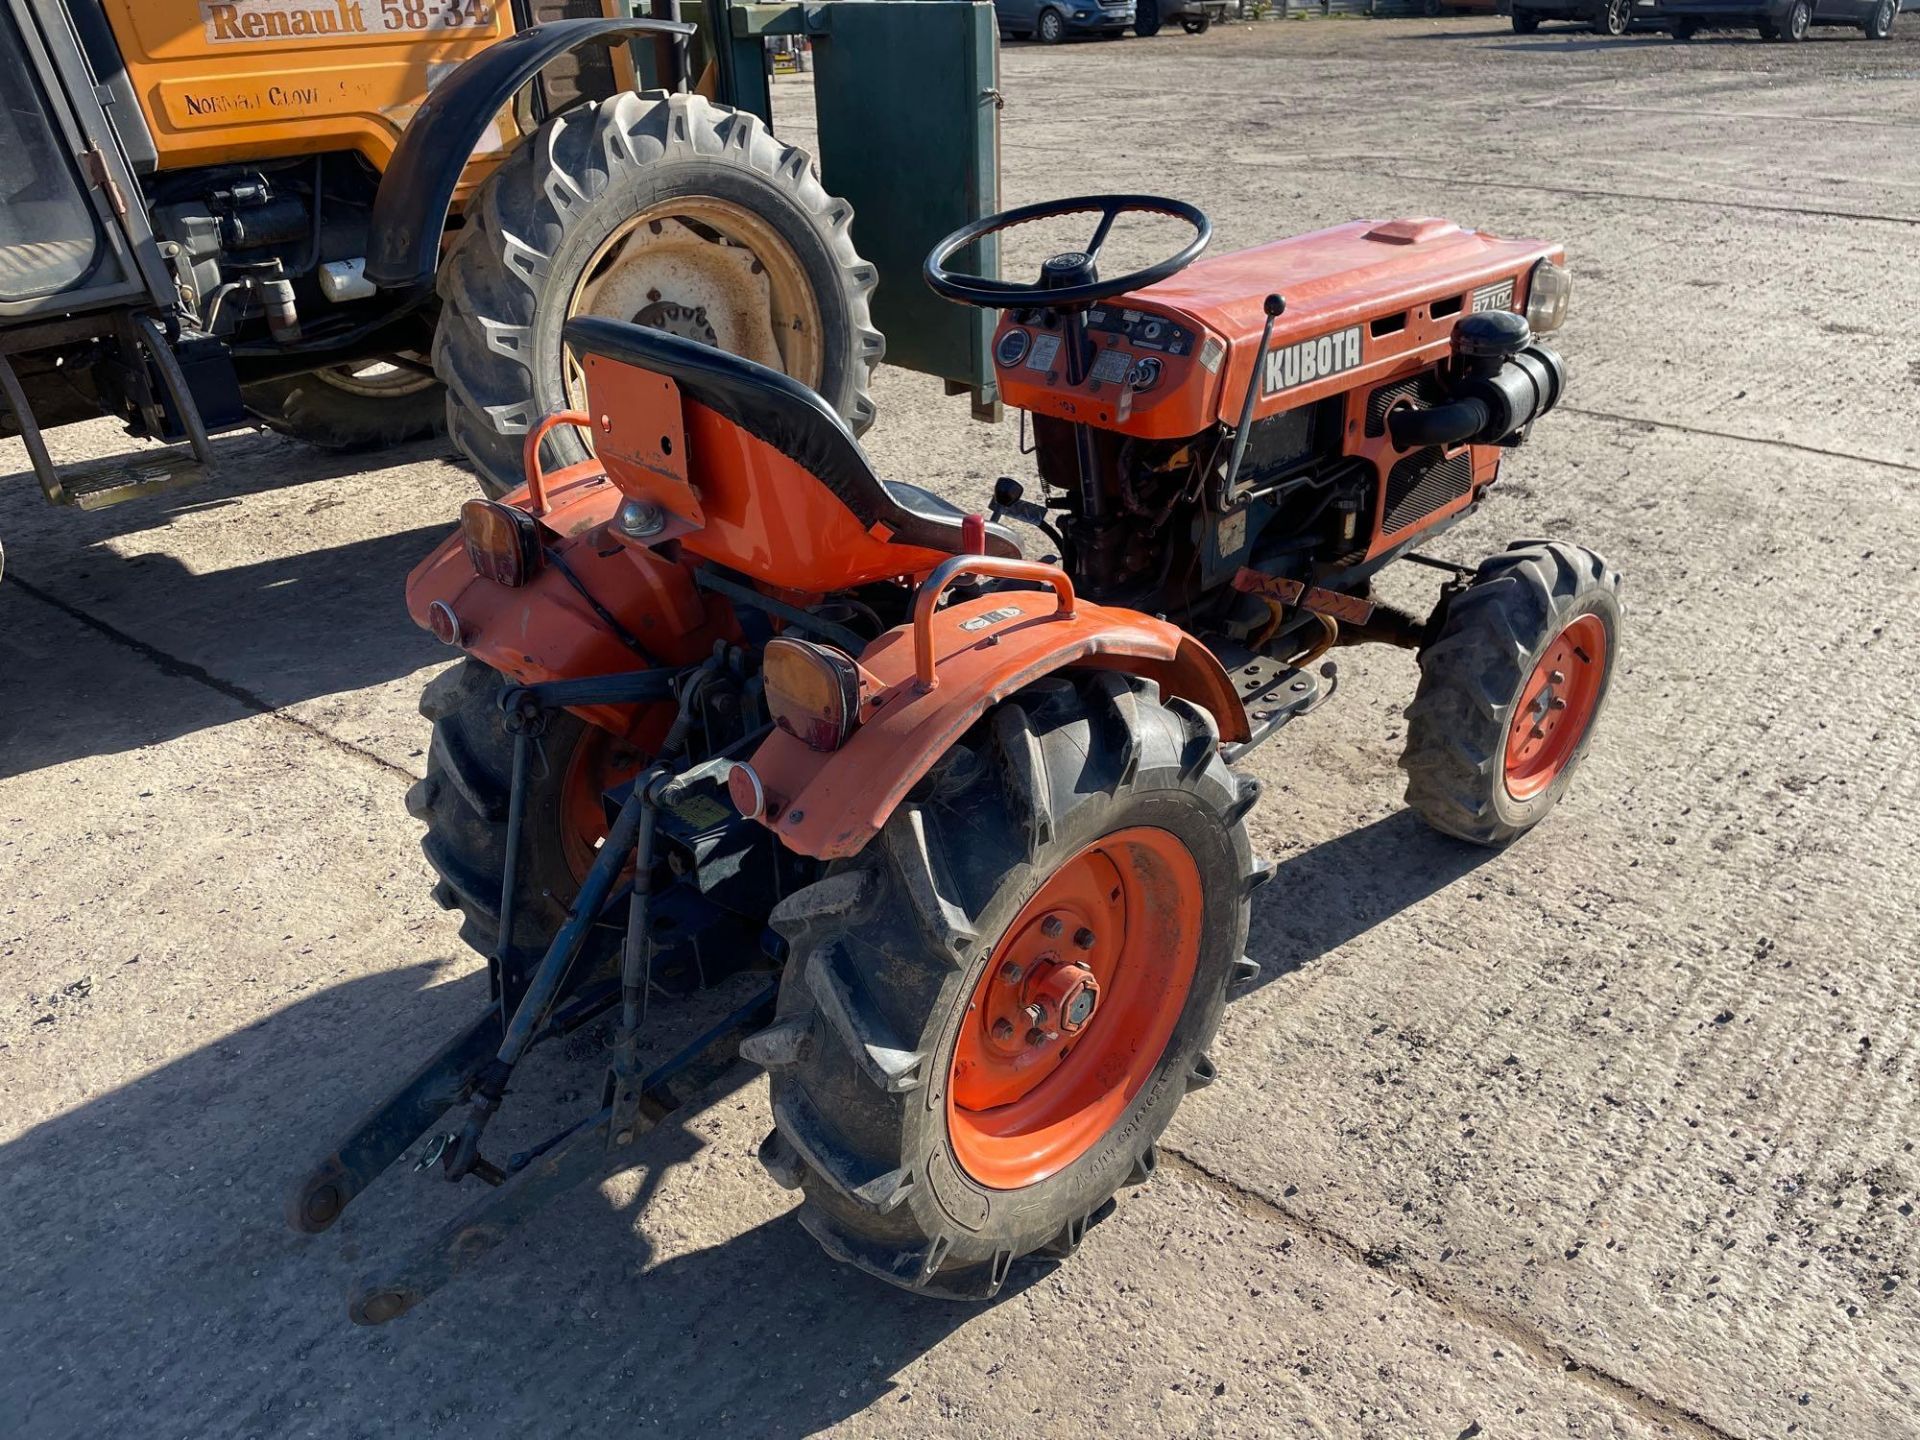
(751, 506)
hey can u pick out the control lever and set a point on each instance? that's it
(1007, 503)
(1275, 306)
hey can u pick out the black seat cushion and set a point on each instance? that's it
(785, 414)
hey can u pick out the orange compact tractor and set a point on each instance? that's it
(735, 703)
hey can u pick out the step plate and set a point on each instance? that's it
(1273, 693)
(96, 484)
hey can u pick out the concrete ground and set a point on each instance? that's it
(1611, 1134)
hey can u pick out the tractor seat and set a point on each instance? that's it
(785, 414)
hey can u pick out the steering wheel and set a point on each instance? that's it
(1069, 281)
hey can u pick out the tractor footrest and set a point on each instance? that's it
(1273, 693)
(96, 484)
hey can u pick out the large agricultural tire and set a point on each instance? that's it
(351, 408)
(1493, 737)
(1087, 811)
(663, 209)
(463, 803)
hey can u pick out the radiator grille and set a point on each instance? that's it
(1422, 483)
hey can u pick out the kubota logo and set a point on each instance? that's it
(1314, 359)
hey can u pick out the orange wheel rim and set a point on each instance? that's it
(1075, 1008)
(1556, 707)
(599, 762)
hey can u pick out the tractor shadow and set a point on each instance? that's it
(152, 1283)
(1338, 890)
(107, 651)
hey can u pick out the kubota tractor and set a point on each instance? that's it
(734, 702)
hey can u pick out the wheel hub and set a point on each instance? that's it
(689, 322)
(1556, 706)
(1074, 1008)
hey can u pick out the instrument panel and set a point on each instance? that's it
(1150, 372)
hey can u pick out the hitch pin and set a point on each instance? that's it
(436, 1151)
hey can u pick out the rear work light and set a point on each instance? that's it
(503, 543)
(1548, 295)
(813, 691)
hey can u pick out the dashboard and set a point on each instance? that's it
(1151, 371)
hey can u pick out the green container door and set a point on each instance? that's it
(908, 95)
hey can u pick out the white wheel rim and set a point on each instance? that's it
(709, 270)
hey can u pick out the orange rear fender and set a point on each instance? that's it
(546, 629)
(830, 805)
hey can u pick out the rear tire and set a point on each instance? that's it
(343, 411)
(1146, 18)
(463, 803)
(1614, 19)
(889, 951)
(1793, 27)
(1468, 775)
(1199, 26)
(1525, 22)
(1879, 25)
(560, 212)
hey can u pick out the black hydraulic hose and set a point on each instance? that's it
(1453, 424)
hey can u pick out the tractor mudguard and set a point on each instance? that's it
(410, 207)
(976, 652)
(556, 626)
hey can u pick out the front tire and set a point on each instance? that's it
(662, 209)
(1510, 688)
(1051, 29)
(1879, 25)
(1614, 19)
(1525, 22)
(1081, 824)
(1199, 26)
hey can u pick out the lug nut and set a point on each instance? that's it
(1037, 1036)
(1557, 703)
(1558, 677)
(1011, 973)
(1083, 937)
(1051, 927)
(1003, 1030)
(1036, 1012)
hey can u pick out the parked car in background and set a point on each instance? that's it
(1051, 21)
(1196, 17)
(1605, 17)
(1785, 20)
